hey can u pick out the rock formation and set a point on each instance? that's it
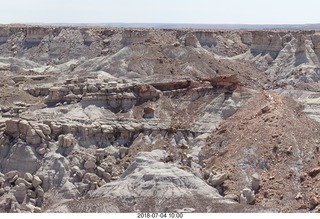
(96, 119)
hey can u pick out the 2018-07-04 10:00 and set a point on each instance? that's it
(160, 215)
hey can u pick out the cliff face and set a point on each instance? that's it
(79, 104)
(284, 56)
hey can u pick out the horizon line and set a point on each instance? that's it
(294, 27)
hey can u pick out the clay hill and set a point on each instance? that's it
(98, 119)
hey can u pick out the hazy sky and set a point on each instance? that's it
(161, 11)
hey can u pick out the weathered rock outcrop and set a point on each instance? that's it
(21, 157)
(147, 178)
(81, 106)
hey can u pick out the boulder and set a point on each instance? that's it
(33, 137)
(100, 153)
(23, 158)
(91, 178)
(102, 183)
(24, 126)
(106, 177)
(41, 150)
(9, 175)
(25, 182)
(80, 173)
(107, 167)
(37, 210)
(55, 128)
(20, 193)
(36, 181)
(89, 165)
(217, 179)
(13, 179)
(66, 140)
(45, 129)
(12, 128)
(112, 151)
(76, 178)
(28, 177)
(41, 176)
(39, 191)
(100, 171)
(247, 196)
(255, 182)
(56, 94)
(74, 169)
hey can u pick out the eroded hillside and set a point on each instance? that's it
(223, 121)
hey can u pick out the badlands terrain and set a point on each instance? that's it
(98, 119)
